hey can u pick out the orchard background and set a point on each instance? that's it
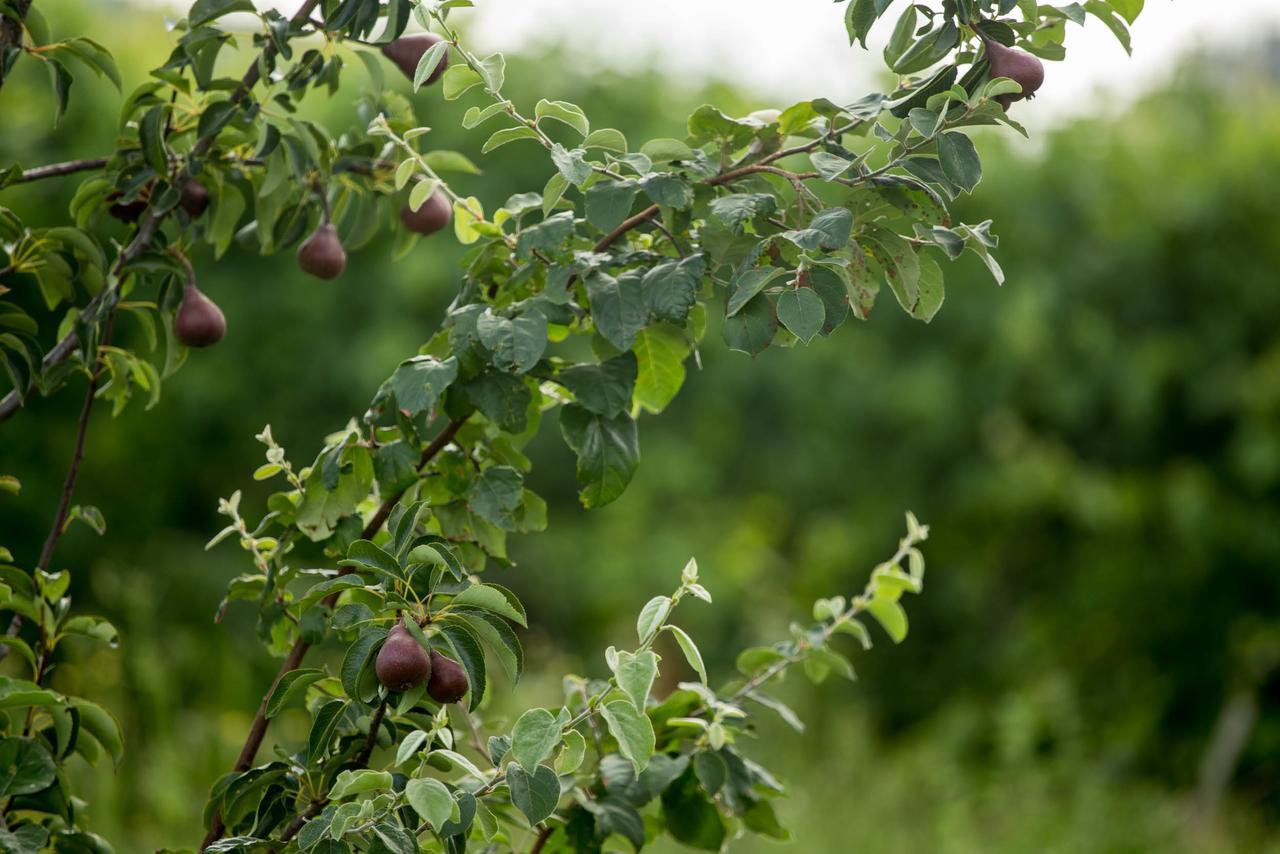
(1094, 446)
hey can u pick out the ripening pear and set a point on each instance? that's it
(194, 198)
(448, 681)
(402, 663)
(199, 321)
(1019, 66)
(406, 51)
(431, 216)
(322, 254)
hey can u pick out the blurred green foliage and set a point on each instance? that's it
(1096, 447)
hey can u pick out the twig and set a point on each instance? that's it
(68, 487)
(55, 169)
(538, 843)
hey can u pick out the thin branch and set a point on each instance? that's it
(53, 170)
(73, 471)
(68, 487)
(543, 836)
(258, 730)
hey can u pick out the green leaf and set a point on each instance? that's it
(432, 801)
(358, 657)
(575, 750)
(753, 661)
(411, 745)
(493, 598)
(534, 736)
(670, 289)
(151, 138)
(291, 686)
(690, 650)
(635, 673)
(783, 710)
(609, 202)
(960, 162)
(504, 399)
(493, 68)
(536, 794)
(450, 161)
(363, 554)
(421, 192)
(204, 11)
(660, 352)
(1128, 9)
(606, 388)
(102, 725)
(418, 382)
(747, 284)
(668, 189)
(476, 116)
(466, 648)
(617, 307)
(891, 616)
(931, 290)
(495, 495)
(900, 262)
(801, 311)
(633, 731)
(609, 139)
(752, 329)
(667, 150)
(495, 631)
(23, 649)
(572, 164)
(458, 79)
(736, 210)
(608, 452)
(428, 63)
(227, 210)
(62, 81)
(25, 767)
(323, 727)
(652, 616)
(563, 111)
(517, 343)
(506, 135)
(690, 816)
(92, 627)
(357, 782)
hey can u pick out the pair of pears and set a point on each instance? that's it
(403, 664)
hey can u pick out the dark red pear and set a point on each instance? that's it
(448, 680)
(431, 216)
(126, 211)
(322, 254)
(406, 51)
(194, 199)
(402, 663)
(199, 322)
(1019, 66)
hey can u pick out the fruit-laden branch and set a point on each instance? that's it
(147, 228)
(11, 35)
(258, 730)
